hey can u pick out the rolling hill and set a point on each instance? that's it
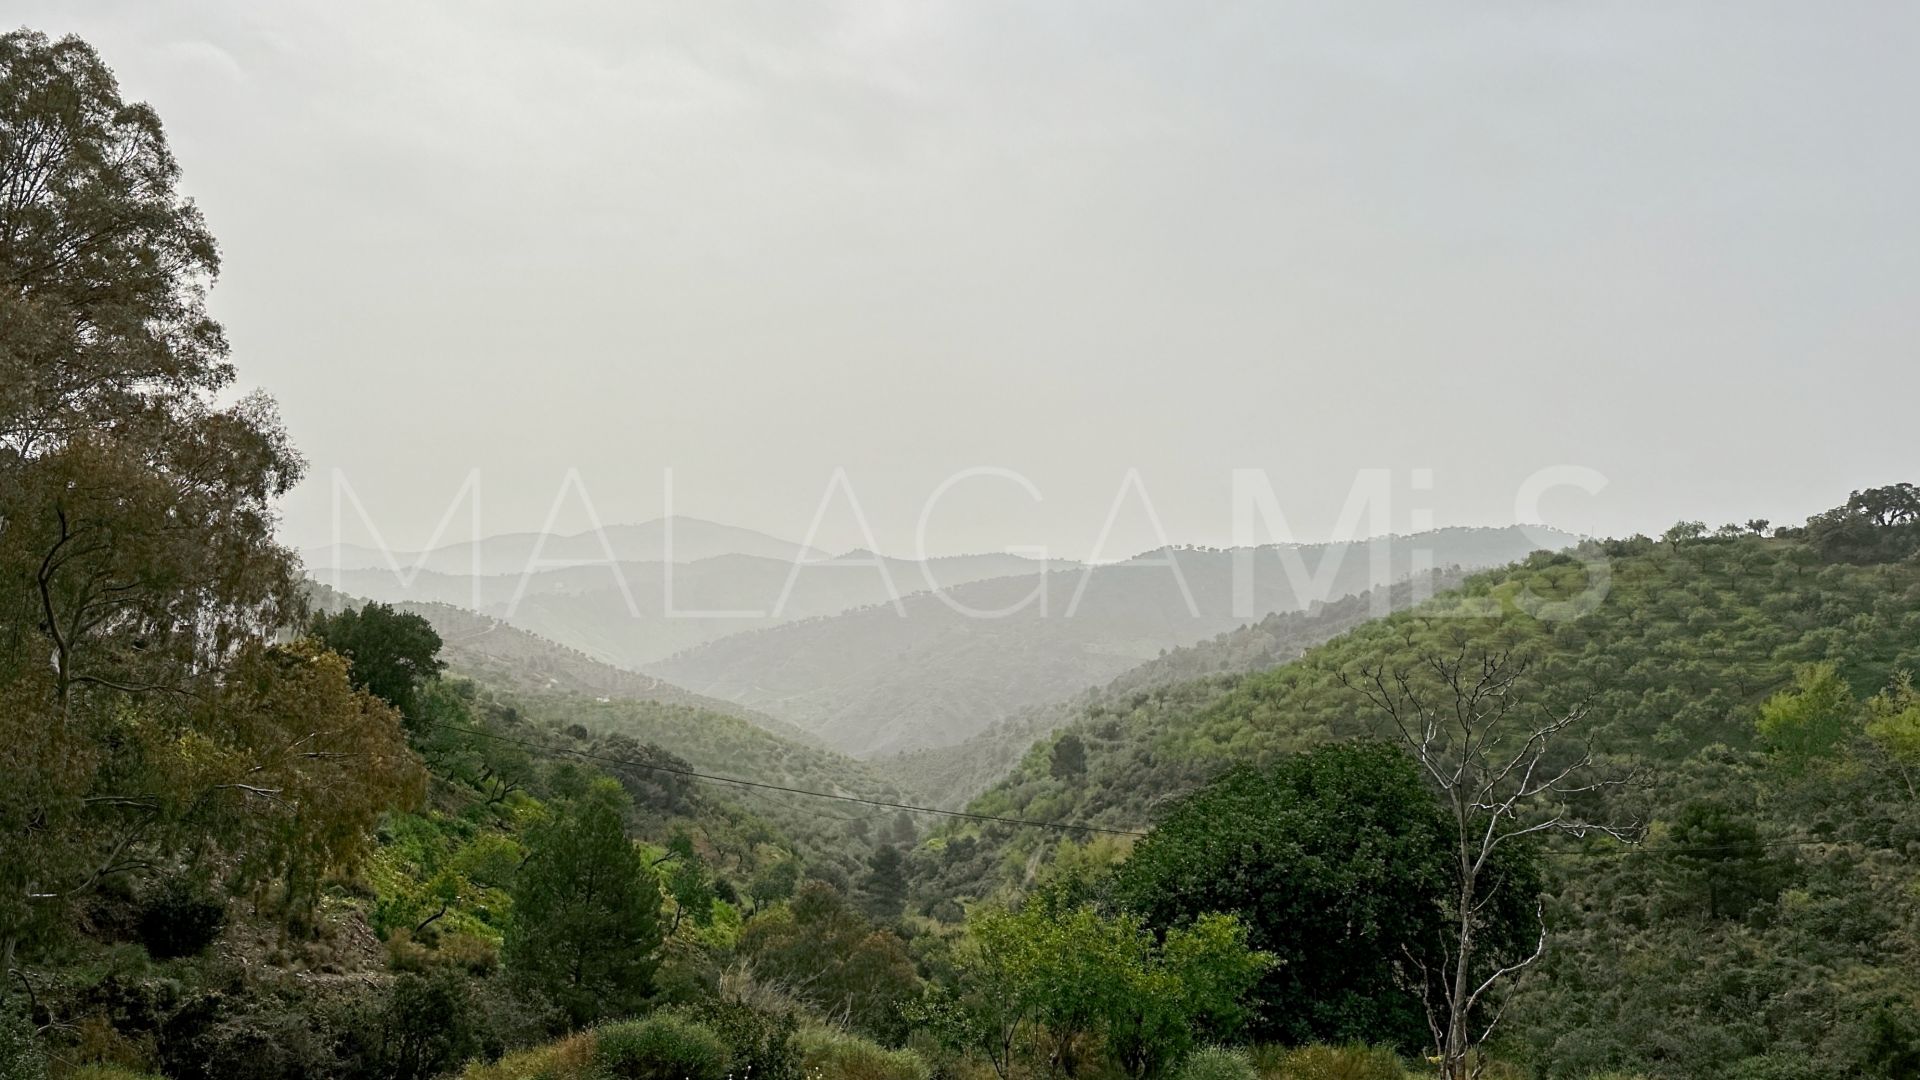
(950, 776)
(877, 681)
(579, 701)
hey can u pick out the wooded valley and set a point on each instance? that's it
(1537, 809)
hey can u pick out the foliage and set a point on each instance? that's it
(1068, 757)
(425, 1028)
(1722, 867)
(660, 1047)
(832, 958)
(1892, 723)
(884, 887)
(1063, 972)
(759, 1041)
(21, 1055)
(681, 738)
(568, 1058)
(586, 909)
(390, 654)
(1876, 525)
(1353, 1061)
(1673, 662)
(1339, 862)
(139, 577)
(1810, 719)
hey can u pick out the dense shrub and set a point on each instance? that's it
(1217, 1063)
(661, 1047)
(845, 1056)
(760, 1041)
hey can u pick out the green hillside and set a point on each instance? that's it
(1766, 881)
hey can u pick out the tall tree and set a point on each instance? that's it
(884, 886)
(1494, 742)
(586, 909)
(139, 575)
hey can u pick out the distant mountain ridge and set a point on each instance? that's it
(872, 682)
(692, 539)
(632, 613)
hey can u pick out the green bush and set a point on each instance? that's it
(844, 1056)
(1217, 1063)
(661, 1047)
(21, 1057)
(761, 1041)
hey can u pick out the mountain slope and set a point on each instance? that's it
(1654, 968)
(951, 776)
(1685, 643)
(504, 656)
(873, 682)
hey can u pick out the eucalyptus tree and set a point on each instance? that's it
(144, 720)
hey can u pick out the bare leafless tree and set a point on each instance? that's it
(1478, 726)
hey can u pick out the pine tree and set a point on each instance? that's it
(586, 910)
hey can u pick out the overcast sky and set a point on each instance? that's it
(1673, 243)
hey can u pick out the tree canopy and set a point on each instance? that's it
(1339, 862)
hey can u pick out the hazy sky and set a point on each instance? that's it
(1674, 243)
